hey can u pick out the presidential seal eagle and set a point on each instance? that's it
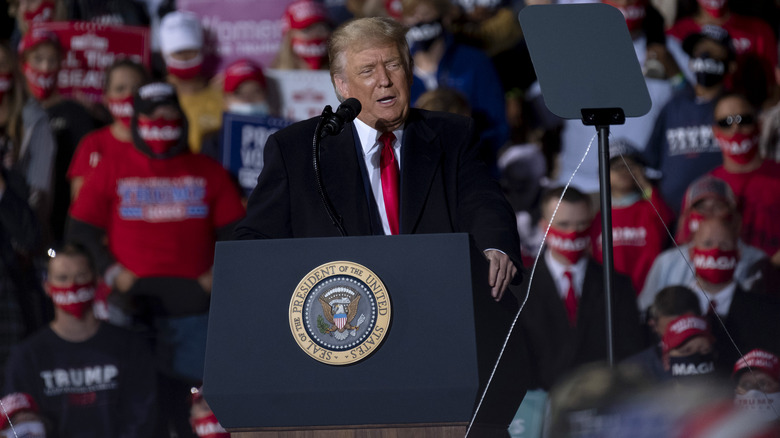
(340, 313)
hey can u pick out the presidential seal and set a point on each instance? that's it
(340, 313)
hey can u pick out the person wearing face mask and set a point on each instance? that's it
(24, 415)
(757, 390)
(91, 379)
(638, 235)
(41, 55)
(304, 43)
(441, 62)
(706, 198)
(123, 78)
(754, 39)
(754, 180)
(161, 209)
(181, 44)
(564, 318)
(669, 304)
(688, 349)
(681, 145)
(27, 147)
(245, 93)
(746, 316)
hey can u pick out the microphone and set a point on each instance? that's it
(333, 123)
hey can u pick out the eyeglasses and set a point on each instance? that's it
(739, 119)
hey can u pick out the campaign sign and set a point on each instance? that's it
(303, 93)
(238, 29)
(243, 142)
(89, 48)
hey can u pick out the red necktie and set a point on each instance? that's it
(390, 185)
(571, 300)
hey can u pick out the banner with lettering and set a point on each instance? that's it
(238, 29)
(303, 93)
(243, 142)
(89, 48)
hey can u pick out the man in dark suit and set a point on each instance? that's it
(564, 321)
(441, 186)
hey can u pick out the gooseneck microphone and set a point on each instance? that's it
(332, 124)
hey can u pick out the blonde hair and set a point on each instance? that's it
(363, 32)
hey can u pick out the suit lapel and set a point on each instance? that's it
(422, 149)
(343, 181)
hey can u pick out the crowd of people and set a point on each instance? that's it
(109, 211)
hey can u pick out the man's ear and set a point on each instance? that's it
(341, 86)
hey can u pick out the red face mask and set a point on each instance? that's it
(571, 245)
(741, 148)
(634, 14)
(715, 265)
(41, 85)
(43, 13)
(716, 8)
(184, 70)
(121, 109)
(75, 299)
(208, 427)
(160, 134)
(6, 79)
(314, 52)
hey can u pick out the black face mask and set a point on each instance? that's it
(709, 71)
(691, 366)
(422, 35)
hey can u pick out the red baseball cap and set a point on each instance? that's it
(240, 71)
(683, 328)
(35, 37)
(759, 360)
(301, 14)
(14, 403)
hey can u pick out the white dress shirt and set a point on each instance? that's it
(372, 151)
(722, 298)
(557, 269)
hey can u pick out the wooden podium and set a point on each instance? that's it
(424, 380)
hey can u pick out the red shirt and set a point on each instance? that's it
(750, 36)
(160, 215)
(638, 236)
(758, 201)
(92, 148)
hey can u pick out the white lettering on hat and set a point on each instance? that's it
(709, 262)
(15, 402)
(155, 90)
(687, 324)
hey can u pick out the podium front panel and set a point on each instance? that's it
(425, 371)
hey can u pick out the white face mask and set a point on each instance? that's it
(28, 429)
(249, 109)
(765, 406)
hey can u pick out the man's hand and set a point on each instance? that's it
(500, 273)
